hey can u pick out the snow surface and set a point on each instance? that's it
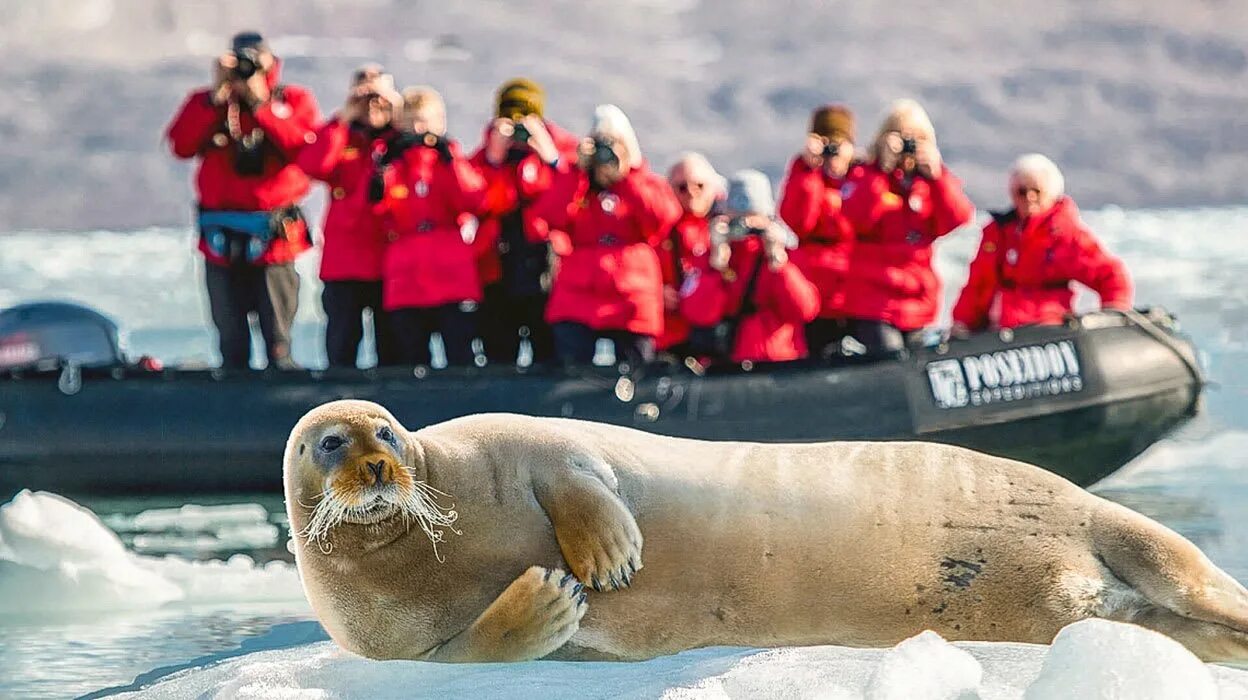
(56, 556)
(1090, 659)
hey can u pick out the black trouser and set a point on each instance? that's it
(501, 318)
(413, 327)
(575, 344)
(824, 336)
(345, 302)
(269, 291)
(881, 337)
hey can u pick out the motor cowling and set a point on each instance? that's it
(48, 335)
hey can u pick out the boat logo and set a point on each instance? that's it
(1013, 374)
(16, 351)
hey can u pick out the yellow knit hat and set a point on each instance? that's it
(520, 97)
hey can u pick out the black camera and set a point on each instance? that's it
(249, 154)
(520, 133)
(246, 63)
(604, 153)
(831, 150)
(909, 147)
(738, 229)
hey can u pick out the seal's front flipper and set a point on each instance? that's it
(531, 618)
(597, 534)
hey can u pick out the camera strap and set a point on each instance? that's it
(726, 332)
(678, 268)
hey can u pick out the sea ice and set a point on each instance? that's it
(198, 518)
(56, 556)
(921, 668)
(1102, 659)
(926, 667)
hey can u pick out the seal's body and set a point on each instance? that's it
(860, 544)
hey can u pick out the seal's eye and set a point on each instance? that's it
(329, 443)
(385, 434)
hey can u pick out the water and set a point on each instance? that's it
(1191, 261)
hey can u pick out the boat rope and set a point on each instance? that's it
(1184, 353)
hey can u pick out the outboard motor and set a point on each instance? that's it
(47, 335)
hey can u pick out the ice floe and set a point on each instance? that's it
(56, 556)
(1090, 659)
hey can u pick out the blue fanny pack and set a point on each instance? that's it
(237, 235)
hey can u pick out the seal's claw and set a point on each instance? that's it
(593, 583)
(578, 588)
(564, 581)
(531, 618)
(597, 533)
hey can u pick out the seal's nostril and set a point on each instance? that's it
(376, 468)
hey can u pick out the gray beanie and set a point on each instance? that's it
(749, 192)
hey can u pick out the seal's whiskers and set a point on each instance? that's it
(418, 504)
(421, 504)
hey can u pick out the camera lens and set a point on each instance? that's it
(520, 134)
(604, 154)
(830, 150)
(246, 63)
(909, 147)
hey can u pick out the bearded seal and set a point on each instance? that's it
(505, 538)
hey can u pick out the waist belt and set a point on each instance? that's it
(242, 235)
(1053, 286)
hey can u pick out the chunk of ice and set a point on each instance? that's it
(926, 667)
(1103, 659)
(56, 556)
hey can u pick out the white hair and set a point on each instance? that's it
(1044, 170)
(902, 115)
(611, 121)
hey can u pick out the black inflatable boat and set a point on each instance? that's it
(1080, 400)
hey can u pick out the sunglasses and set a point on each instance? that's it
(1023, 190)
(688, 187)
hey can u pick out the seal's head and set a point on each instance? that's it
(351, 462)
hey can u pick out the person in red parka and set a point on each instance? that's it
(811, 206)
(756, 298)
(904, 199)
(611, 211)
(1029, 256)
(429, 271)
(518, 157)
(247, 130)
(352, 241)
(686, 246)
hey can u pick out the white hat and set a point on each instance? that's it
(610, 121)
(749, 192)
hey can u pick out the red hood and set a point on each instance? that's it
(274, 76)
(1063, 210)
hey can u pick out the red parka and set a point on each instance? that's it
(199, 130)
(890, 275)
(811, 205)
(513, 184)
(427, 262)
(342, 157)
(610, 279)
(1023, 271)
(683, 252)
(785, 301)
